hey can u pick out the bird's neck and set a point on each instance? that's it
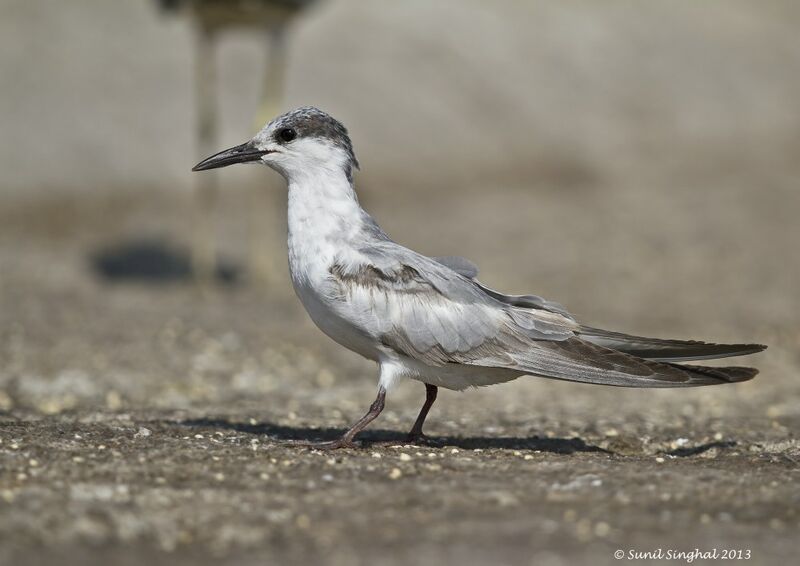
(324, 216)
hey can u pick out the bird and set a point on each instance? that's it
(430, 319)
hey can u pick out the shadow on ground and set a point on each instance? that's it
(381, 436)
(152, 261)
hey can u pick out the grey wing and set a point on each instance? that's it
(432, 314)
(425, 310)
(578, 360)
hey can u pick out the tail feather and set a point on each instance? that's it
(658, 349)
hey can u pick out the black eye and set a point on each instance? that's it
(287, 134)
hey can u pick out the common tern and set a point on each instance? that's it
(429, 318)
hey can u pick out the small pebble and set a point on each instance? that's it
(395, 474)
(405, 457)
(602, 529)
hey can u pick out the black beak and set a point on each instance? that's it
(239, 154)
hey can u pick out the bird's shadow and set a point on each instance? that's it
(382, 436)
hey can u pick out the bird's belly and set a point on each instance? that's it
(332, 323)
(457, 376)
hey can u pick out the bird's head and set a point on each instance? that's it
(305, 141)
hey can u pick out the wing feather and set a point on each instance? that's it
(665, 350)
(460, 265)
(438, 316)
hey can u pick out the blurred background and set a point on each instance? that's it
(637, 162)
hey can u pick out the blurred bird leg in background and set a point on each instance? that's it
(263, 264)
(209, 18)
(205, 202)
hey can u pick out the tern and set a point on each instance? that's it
(429, 318)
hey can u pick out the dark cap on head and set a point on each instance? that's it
(310, 122)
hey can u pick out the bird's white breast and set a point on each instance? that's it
(326, 228)
(324, 222)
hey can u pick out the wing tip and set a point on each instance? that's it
(718, 375)
(667, 350)
(739, 374)
(735, 350)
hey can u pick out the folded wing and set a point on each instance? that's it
(425, 310)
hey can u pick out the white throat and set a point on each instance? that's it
(324, 218)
